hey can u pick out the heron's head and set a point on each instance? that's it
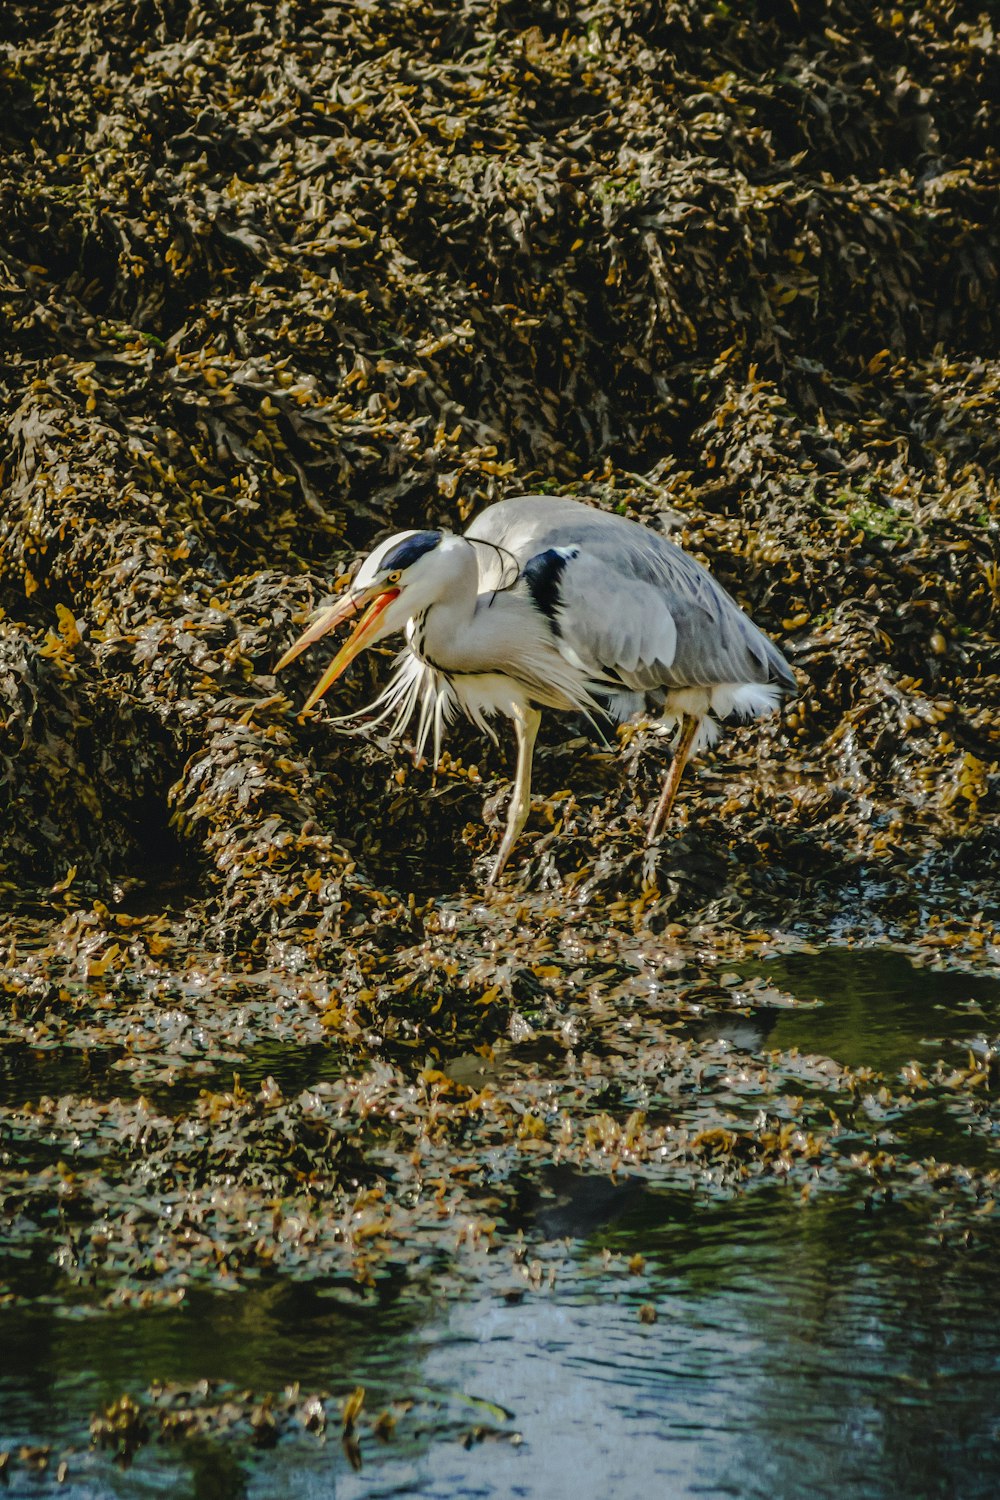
(403, 576)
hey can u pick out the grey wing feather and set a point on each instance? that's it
(632, 606)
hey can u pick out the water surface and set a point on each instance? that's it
(773, 1343)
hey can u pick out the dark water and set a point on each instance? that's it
(879, 1010)
(798, 1349)
(30, 1072)
(801, 1347)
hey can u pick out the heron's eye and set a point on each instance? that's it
(395, 577)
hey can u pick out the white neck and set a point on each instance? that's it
(440, 631)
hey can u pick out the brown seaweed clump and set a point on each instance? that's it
(275, 282)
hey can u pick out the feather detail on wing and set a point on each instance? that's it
(630, 603)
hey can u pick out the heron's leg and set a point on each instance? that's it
(689, 728)
(526, 722)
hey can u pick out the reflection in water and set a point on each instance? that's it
(29, 1072)
(878, 1009)
(862, 1007)
(801, 1348)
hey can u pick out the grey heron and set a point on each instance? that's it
(550, 603)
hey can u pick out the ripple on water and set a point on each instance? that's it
(801, 1347)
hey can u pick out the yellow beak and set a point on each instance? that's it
(327, 620)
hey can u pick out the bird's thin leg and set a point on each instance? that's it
(689, 728)
(526, 722)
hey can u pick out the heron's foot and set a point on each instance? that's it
(504, 852)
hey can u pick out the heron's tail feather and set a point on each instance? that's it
(723, 700)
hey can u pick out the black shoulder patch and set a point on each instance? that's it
(543, 574)
(405, 554)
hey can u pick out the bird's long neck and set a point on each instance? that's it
(440, 633)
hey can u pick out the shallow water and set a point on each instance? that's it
(874, 1008)
(29, 1072)
(823, 1344)
(797, 1348)
(877, 1009)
